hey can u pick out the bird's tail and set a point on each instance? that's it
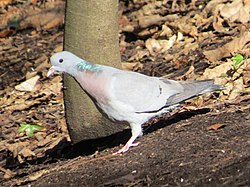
(193, 88)
(204, 86)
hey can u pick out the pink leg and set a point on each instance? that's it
(136, 131)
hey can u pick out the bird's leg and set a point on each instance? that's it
(136, 131)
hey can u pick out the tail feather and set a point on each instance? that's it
(191, 89)
(214, 87)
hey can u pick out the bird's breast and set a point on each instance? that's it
(94, 84)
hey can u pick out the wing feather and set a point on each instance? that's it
(140, 92)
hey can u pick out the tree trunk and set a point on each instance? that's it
(91, 32)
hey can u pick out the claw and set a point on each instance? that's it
(136, 131)
(126, 148)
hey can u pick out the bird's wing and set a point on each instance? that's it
(141, 93)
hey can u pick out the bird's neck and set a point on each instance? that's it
(86, 66)
(83, 66)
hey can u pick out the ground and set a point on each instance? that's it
(178, 152)
(203, 143)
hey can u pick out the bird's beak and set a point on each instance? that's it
(51, 71)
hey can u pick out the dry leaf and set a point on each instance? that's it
(246, 72)
(6, 32)
(139, 55)
(226, 50)
(14, 147)
(218, 73)
(216, 126)
(54, 87)
(28, 85)
(236, 11)
(238, 87)
(146, 21)
(51, 15)
(25, 152)
(7, 173)
(185, 26)
(58, 48)
(159, 46)
(4, 3)
(233, 81)
(43, 66)
(166, 31)
(218, 24)
(129, 66)
(53, 23)
(152, 45)
(30, 74)
(36, 175)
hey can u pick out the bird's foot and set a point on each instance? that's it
(126, 148)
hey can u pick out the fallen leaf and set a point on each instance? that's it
(218, 24)
(53, 23)
(50, 15)
(246, 73)
(216, 126)
(36, 175)
(166, 31)
(236, 11)
(28, 85)
(185, 26)
(7, 173)
(218, 73)
(15, 147)
(238, 87)
(25, 152)
(152, 45)
(129, 66)
(4, 3)
(159, 46)
(226, 50)
(146, 21)
(29, 75)
(6, 32)
(58, 48)
(43, 66)
(139, 55)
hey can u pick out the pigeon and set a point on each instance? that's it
(126, 96)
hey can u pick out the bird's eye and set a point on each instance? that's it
(61, 60)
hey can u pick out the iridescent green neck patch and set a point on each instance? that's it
(84, 66)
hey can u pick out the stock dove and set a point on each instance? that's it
(127, 96)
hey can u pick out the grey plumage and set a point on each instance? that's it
(128, 96)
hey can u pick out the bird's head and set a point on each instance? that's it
(63, 62)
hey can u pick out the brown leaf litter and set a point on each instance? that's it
(181, 40)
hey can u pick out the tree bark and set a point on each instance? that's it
(91, 32)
